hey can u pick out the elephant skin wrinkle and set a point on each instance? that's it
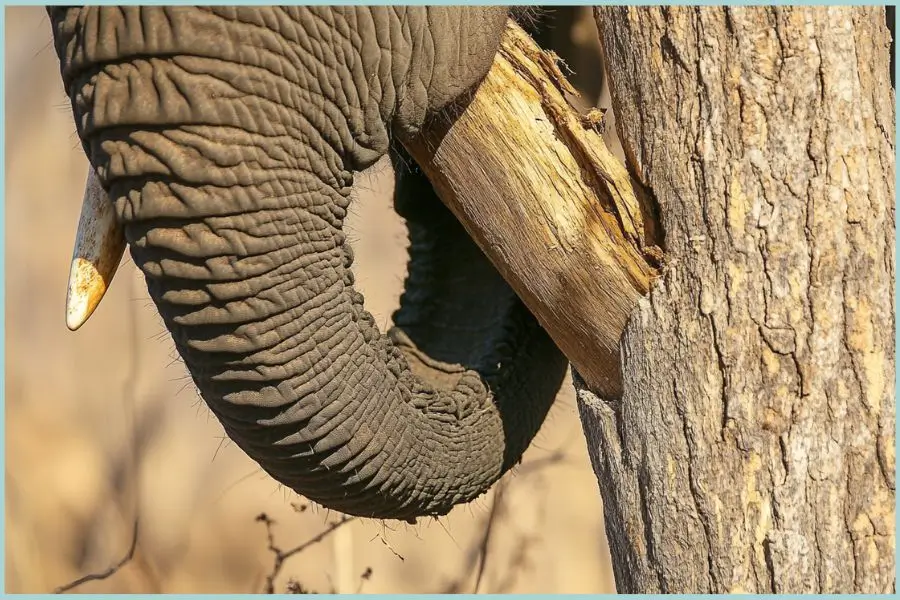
(226, 139)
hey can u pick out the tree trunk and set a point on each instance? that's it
(753, 447)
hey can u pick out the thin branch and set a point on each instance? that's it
(378, 536)
(480, 552)
(281, 555)
(557, 457)
(485, 541)
(108, 572)
(536, 465)
(315, 540)
(363, 578)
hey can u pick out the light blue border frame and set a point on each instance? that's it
(339, 2)
(3, 292)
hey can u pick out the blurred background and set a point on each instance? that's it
(104, 428)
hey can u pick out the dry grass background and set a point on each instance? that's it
(103, 425)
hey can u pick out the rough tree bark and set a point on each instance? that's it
(742, 427)
(753, 448)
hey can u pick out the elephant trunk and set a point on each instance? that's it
(230, 170)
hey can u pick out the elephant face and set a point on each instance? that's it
(226, 138)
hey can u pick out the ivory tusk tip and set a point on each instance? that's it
(99, 245)
(74, 321)
(86, 288)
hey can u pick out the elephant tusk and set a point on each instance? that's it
(99, 245)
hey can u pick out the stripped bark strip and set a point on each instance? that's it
(533, 183)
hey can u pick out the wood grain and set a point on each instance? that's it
(533, 183)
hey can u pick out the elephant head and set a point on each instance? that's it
(225, 139)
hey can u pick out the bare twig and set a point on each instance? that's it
(295, 587)
(557, 457)
(378, 536)
(496, 507)
(521, 556)
(479, 553)
(485, 541)
(364, 577)
(520, 560)
(282, 555)
(108, 572)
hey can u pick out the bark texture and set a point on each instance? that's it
(753, 448)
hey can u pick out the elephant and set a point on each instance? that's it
(226, 139)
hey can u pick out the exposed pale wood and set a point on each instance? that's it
(554, 210)
(753, 448)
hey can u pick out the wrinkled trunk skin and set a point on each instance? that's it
(227, 138)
